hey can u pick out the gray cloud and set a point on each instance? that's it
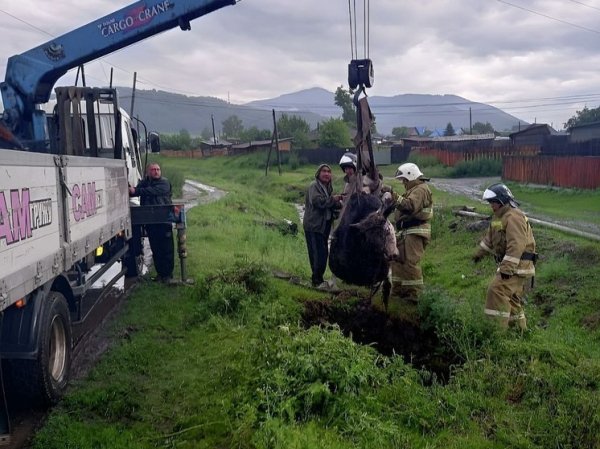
(489, 51)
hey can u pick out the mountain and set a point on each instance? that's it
(169, 113)
(422, 110)
(317, 100)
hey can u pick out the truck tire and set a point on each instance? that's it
(44, 379)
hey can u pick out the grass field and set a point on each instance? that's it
(232, 363)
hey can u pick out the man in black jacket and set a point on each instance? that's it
(155, 190)
(320, 205)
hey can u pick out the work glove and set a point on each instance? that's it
(476, 258)
(504, 276)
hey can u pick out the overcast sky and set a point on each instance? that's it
(535, 59)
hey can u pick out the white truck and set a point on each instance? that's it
(64, 203)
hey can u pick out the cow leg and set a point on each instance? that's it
(386, 288)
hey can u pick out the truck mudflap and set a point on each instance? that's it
(165, 214)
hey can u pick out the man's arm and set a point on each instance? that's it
(161, 187)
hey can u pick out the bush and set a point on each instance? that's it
(479, 167)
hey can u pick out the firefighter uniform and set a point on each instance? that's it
(509, 239)
(414, 210)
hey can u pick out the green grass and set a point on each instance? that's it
(227, 363)
(568, 204)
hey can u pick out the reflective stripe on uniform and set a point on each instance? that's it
(485, 247)
(512, 259)
(418, 231)
(427, 211)
(520, 316)
(397, 280)
(492, 312)
(527, 272)
(496, 224)
(414, 231)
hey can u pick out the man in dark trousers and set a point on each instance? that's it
(155, 190)
(320, 205)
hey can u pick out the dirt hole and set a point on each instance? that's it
(367, 325)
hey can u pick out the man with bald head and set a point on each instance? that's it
(155, 190)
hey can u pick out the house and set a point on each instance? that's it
(249, 147)
(537, 134)
(212, 148)
(584, 132)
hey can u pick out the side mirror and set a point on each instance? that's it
(154, 138)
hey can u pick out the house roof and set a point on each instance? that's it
(464, 137)
(536, 128)
(258, 143)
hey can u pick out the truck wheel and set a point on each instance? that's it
(55, 351)
(45, 379)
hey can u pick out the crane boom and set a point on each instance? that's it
(30, 76)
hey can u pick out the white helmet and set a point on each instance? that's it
(408, 171)
(348, 159)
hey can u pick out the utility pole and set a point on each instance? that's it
(133, 94)
(470, 122)
(212, 119)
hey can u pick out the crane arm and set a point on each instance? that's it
(31, 76)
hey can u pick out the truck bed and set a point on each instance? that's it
(54, 210)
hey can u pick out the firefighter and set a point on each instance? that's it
(509, 239)
(348, 165)
(412, 214)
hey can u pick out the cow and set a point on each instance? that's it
(363, 243)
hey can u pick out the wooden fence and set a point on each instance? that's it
(452, 156)
(581, 172)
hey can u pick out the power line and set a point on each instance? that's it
(591, 30)
(586, 5)
(26, 23)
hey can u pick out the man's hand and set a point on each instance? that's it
(131, 190)
(505, 276)
(476, 258)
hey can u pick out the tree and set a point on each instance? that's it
(295, 127)
(343, 99)
(481, 128)
(449, 131)
(288, 125)
(253, 133)
(334, 133)
(400, 131)
(232, 126)
(181, 141)
(206, 133)
(584, 116)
